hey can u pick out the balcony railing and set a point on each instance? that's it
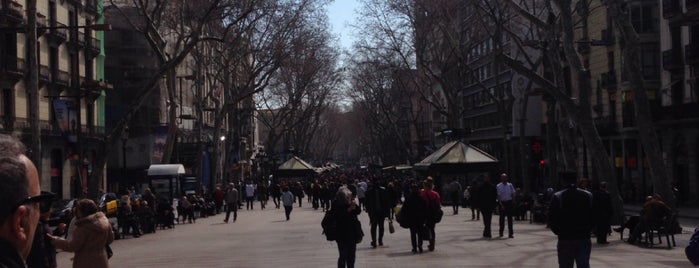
(11, 12)
(671, 8)
(58, 31)
(12, 65)
(63, 78)
(94, 45)
(76, 39)
(44, 74)
(672, 59)
(40, 24)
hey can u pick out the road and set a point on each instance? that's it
(262, 238)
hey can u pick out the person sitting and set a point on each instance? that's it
(653, 213)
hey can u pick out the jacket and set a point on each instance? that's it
(486, 196)
(91, 235)
(346, 222)
(232, 196)
(414, 211)
(9, 256)
(288, 199)
(570, 214)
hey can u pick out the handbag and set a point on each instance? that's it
(359, 234)
(391, 229)
(110, 253)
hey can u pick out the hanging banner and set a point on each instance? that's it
(159, 140)
(67, 118)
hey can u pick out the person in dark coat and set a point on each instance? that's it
(345, 211)
(378, 208)
(414, 211)
(486, 194)
(570, 218)
(601, 213)
(43, 253)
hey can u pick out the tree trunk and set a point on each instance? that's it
(172, 118)
(32, 88)
(644, 120)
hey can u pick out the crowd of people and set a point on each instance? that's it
(573, 213)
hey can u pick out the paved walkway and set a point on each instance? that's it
(262, 238)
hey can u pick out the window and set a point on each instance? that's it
(650, 61)
(645, 18)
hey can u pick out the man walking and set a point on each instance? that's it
(377, 208)
(602, 212)
(232, 197)
(485, 196)
(570, 218)
(506, 195)
(19, 202)
(287, 201)
(249, 195)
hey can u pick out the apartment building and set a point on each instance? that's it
(71, 86)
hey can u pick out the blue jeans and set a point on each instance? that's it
(577, 251)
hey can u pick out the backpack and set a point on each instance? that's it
(329, 225)
(692, 250)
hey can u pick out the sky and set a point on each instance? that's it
(341, 14)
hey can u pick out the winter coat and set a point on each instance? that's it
(232, 196)
(92, 234)
(414, 210)
(346, 222)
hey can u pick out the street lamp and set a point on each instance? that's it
(124, 139)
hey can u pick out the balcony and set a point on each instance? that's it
(608, 80)
(672, 59)
(607, 37)
(94, 46)
(57, 34)
(62, 79)
(44, 74)
(76, 40)
(691, 54)
(12, 67)
(11, 12)
(671, 8)
(40, 24)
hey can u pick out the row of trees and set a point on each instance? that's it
(442, 43)
(263, 54)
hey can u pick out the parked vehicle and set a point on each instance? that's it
(108, 203)
(61, 211)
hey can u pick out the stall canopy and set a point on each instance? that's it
(165, 170)
(456, 155)
(295, 167)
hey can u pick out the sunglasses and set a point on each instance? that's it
(45, 199)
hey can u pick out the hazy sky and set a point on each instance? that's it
(341, 14)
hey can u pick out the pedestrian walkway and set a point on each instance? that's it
(263, 238)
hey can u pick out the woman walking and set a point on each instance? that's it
(90, 238)
(345, 211)
(433, 202)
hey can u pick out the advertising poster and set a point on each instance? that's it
(159, 140)
(67, 118)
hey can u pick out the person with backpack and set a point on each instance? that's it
(434, 207)
(377, 207)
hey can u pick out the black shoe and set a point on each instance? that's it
(619, 229)
(381, 243)
(420, 249)
(511, 236)
(373, 244)
(414, 250)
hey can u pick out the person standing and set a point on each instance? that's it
(249, 195)
(506, 194)
(377, 208)
(434, 202)
(92, 233)
(345, 212)
(261, 192)
(602, 212)
(486, 196)
(219, 196)
(455, 195)
(287, 201)
(232, 197)
(276, 192)
(570, 218)
(361, 194)
(19, 194)
(43, 253)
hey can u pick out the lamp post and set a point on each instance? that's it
(124, 139)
